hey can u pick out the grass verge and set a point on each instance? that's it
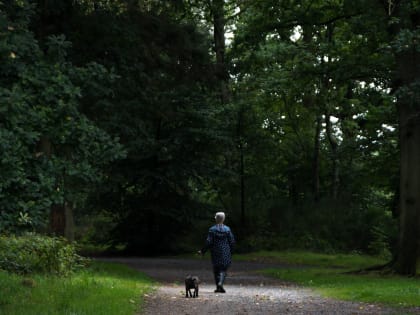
(389, 290)
(325, 274)
(101, 289)
(350, 261)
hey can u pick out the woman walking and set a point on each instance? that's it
(220, 241)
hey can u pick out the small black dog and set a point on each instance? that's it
(191, 282)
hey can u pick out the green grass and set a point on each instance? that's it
(326, 274)
(103, 288)
(352, 261)
(390, 290)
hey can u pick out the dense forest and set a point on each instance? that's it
(129, 123)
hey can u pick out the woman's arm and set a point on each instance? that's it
(208, 244)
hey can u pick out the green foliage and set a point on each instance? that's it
(389, 290)
(50, 151)
(159, 105)
(379, 245)
(94, 229)
(31, 253)
(327, 226)
(305, 63)
(102, 289)
(327, 275)
(307, 258)
(111, 107)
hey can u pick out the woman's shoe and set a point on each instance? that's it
(219, 289)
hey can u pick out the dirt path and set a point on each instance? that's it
(247, 292)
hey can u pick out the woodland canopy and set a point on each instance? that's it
(130, 123)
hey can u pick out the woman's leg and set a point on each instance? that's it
(222, 277)
(216, 273)
(219, 277)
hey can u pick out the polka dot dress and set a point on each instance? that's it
(220, 241)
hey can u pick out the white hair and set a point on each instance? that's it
(220, 217)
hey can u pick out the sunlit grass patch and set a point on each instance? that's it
(326, 273)
(103, 288)
(313, 259)
(391, 290)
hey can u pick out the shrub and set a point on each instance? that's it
(32, 253)
(380, 244)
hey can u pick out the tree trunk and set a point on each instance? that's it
(240, 132)
(242, 175)
(58, 217)
(309, 102)
(69, 226)
(409, 248)
(408, 106)
(61, 215)
(62, 221)
(57, 220)
(293, 189)
(218, 12)
(316, 159)
(334, 152)
(326, 85)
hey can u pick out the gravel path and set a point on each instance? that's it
(247, 293)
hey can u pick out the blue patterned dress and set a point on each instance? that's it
(220, 241)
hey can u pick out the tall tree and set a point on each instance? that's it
(58, 152)
(159, 108)
(404, 25)
(310, 79)
(220, 16)
(218, 10)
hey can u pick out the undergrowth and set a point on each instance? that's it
(100, 289)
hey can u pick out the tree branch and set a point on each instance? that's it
(295, 23)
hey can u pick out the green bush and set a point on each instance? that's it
(32, 253)
(380, 245)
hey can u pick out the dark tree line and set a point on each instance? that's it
(130, 122)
